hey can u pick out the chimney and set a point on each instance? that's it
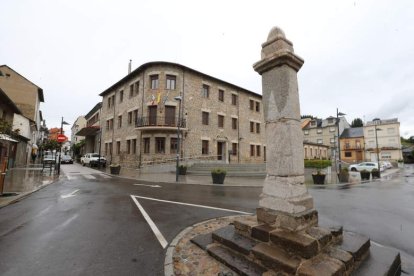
(129, 66)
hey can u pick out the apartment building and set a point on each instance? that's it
(324, 132)
(217, 120)
(387, 133)
(79, 123)
(92, 130)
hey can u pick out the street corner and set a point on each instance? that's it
(185, 255)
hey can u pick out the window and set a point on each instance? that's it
(234, 148)
(119, 121)
(221, 95)
(204, 147)
(264, 153)
(220, 119)
(257, 127)
(251, 105)
(154, 81)
(319, 141)
(173, 145)
(205, 118)
(136, 88)
(205, 91)
(106, 148)
(233, 99)
(258, 150)
(234, 123)
(146, 145)
(319, 131)
(386, 155)
(390, 130)
(306, 132)
(252, 127)
(118, 147)
(330, 121)
(332, 129)
(134, 146)
(110, 148)
(332, 140)
(257, 106)
(358, 144)
(348, 154)
(306, 153)
(171, 80)
(159, 145)
(109, 102)
(251, 150)
(347, 145)
(109, 124)
(130, 118)
(121, 96)
(128, 146)
(135, 116)
(131, 90)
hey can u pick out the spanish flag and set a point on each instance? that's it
(159, 97)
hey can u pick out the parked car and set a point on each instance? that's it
(92, 159)
(66, 159)
(386, 164)
(369, 166)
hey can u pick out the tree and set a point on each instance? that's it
(357, 122)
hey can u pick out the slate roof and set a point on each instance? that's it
(353, 132)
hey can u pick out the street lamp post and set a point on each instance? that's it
(60, 146)
(178, 98)
(376, 141)
(339, 145)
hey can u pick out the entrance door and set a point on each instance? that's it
(152, 115)
(220, 150)
(170, 115)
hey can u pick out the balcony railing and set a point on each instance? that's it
(160, 121)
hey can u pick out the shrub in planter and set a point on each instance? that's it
(365, 175)
(182, 170)
(343, 175)
(375, 173)
(218, 176)
(115, 168)
(400, 163)
(318, 177)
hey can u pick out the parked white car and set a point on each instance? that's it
(92, 159)
(368, 166)
(386, 164)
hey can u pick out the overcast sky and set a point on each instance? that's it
(359, 55)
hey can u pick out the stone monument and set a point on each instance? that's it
(284, 238)
(285, 201)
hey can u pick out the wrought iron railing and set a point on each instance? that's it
(160, 121)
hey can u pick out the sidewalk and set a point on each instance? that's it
(20, 182)
(170, 177)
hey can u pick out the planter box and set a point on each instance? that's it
(218, 178)
(182, 170)
(343, 177)
(375, 174)
(318, 178)
(115, 170)
(365, 175)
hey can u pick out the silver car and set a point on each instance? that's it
(368, 166)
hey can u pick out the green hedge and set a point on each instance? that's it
(319, 164)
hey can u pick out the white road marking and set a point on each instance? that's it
(104, 175)
(88, 176)
(152, 186)
(154, 228)
(194, 205)
(70, 177)
(69, 195)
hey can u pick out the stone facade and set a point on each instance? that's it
(140, 117)
(79, 123)
(315, 151)
(91, 131)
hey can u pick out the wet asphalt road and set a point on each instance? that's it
(100, 231)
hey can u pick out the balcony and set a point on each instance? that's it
(160, 123)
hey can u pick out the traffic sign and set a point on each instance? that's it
(61, 138)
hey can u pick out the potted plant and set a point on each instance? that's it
(365, 175)
(182, 170)
(218, 175)
(343, 175)
(318, 177)
(375, 173)
(115, 168)
(400, 163)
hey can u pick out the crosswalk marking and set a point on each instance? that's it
(87, 176)
(105, 176)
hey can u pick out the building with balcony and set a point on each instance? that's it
(383, 135)
(352, 145)
(324, 132)
(217, 120)
(91, 131)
